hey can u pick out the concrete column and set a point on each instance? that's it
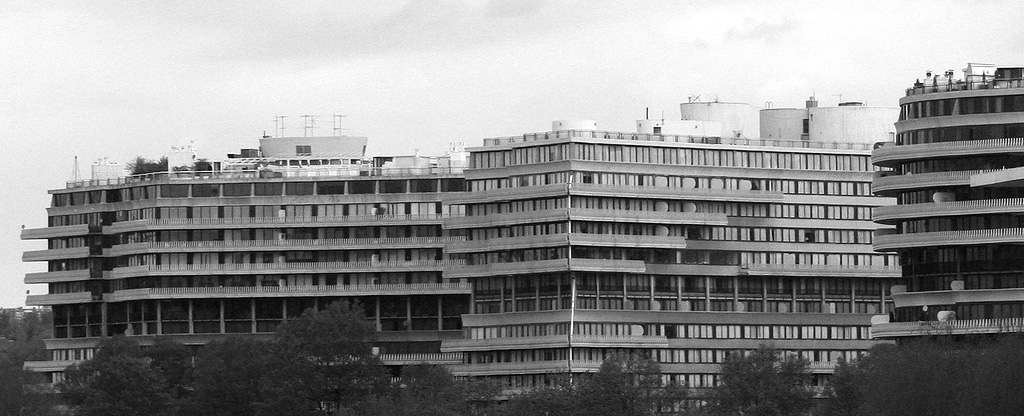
(191, 318)
(735, 293)
(764, 297)
(377, 311)
(223, 325)
(440, 314)
(408, 310)
(159, 318)
(707, 293)
(103, 319)
(536, 304)
(792, 299)
(252, 316)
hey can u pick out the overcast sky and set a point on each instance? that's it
(103, 79)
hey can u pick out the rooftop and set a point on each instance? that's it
(975, 77)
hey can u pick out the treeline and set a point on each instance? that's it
(981, 376)
(21, 339)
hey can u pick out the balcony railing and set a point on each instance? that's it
(890, 181)
(57, 231)
(326, 243)
(891, 154)
(961, 85)
(58, 299)
(893, 213)
(888, 242)
(820, 270)
(56, 254)
(269, 173)
(426, 358)
(287, 291)
(953, 327)
(122, 225)
(349, 266)
(672, 138)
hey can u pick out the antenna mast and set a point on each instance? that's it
(308, 124)
(279, 125)
(74, 171)
(337, 124)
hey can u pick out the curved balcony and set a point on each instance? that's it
(453, 288)
(278, 245)
(887, 182)
(893, 242)
(57, 277)
(893, 214)
(891, 155)
(53, 232)
(814, 270)
(576, 239)
(952, 327)
(546, 266)
(194, 223)
(59, 299)
(952, 297)
(283, 268)
(56, 254)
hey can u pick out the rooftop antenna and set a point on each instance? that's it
(308, 124)
(279, 125)
(337, 123)
(74, 171)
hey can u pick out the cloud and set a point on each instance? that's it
(766, 31)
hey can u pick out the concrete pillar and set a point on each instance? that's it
(223, 325)
(159, 317)
(191, 318)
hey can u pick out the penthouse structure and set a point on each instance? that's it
(957, 173)
(688, 241)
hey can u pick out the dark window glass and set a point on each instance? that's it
(268, 189)
(237, 189)
(330, 188)
(299, 188)
(205, 190)
(173, 191)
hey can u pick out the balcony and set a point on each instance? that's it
(57, 277)
(56, 254)
(524, 367)
(962, 85)
(703, 194)
(434, 358)
(889, 181)
(273, 245)
(556, 341)
(246, 222)
(576, 239)
(892, 155)
(546, 266)
(953, 327)
(453, 288)
(59, 299)
(53, 232)
(893, 214)
(952, 297)
(648, 217)
(893, 242)
(508, 218)
(272, 171)
(283, 268)
(50, 366)
(815, 270)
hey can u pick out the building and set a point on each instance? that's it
(686, 247)
(203, 254)
(538, 255)
(957, 173)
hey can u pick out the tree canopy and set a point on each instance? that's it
(763, 382)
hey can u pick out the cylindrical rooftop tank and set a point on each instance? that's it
(738, 119)
(783, 123)
(573, 125)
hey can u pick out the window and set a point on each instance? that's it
(303, 150)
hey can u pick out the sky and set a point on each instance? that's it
(117, 80)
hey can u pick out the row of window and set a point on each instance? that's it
(675, 331)
(786, 186)
(669, 156)
(962, 106)
(960, 133)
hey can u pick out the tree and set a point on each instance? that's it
(762, 383)
(628, 385)
(230, 377)
(430, 390)
(141, 165)
(625, 385)
(337, 344)
(174, 363)
(843, 395)
(21, 339)
(117, 381)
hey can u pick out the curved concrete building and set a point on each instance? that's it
(957, 171)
